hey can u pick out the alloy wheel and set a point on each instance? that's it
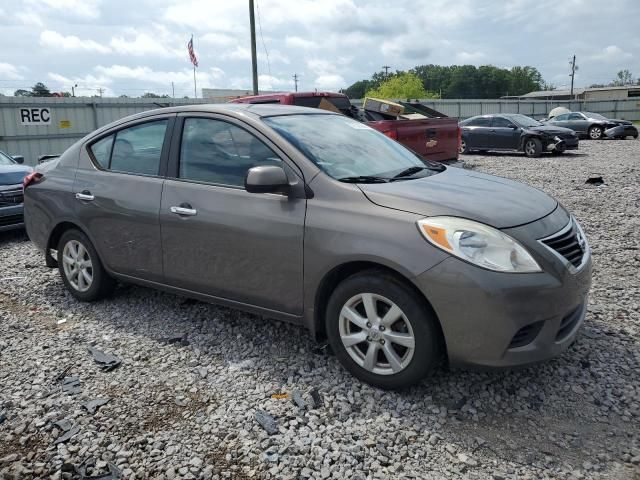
(77, 265)
(377, 334)
(463, 146)
(530, 147)
(595, 133)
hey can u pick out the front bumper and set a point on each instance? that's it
(562, 144)
(11, 217)
(486, 316)
(621, 131)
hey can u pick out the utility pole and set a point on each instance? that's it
(295, 80)
(572, 74)
(73, 90)
(254, 60)
(386, 71)
(173, 91)
(100, 90)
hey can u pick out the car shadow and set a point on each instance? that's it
(17, 235)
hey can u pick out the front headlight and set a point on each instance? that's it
(478, 243)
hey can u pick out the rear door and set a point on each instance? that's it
(503, 135)
(578, 122)
(118, 188)
(218, 239)
(476, 132)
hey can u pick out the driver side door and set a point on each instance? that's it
(217, 238)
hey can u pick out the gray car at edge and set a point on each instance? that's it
(314, 218)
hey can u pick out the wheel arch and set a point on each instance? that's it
(54, 238)
(339, 273)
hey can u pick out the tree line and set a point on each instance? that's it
(461, 81)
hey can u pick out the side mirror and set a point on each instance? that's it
(18, 158)
(266, 179)
(515, 127)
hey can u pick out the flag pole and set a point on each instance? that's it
(195, 89)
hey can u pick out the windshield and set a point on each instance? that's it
(524, 121)
(595, 115)
(6, 159)
(344, 148)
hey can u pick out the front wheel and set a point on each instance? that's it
(532, 147)
(81, 269)
(595, 133)
(381, 331)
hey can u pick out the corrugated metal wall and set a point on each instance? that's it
(73, 118)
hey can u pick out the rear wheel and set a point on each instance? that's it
(532, 147)
(595, 132)
(381, 332)
(464, 148)
(81, 269)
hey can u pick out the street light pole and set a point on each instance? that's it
(254, 60)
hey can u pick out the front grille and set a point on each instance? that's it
(567, 243)
(11, 197)
(525, 335)
(11, 220)
(568, 323)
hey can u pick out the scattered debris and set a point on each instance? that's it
(93, 405)
(3, 417)
(61, 321)
(69, 428)
(271, 456)
(87, 471)
(176, 339)
(318, 401)
(321, 349)
(267, 422)
(107, 361)
(597, 181)
(71, 385)
(296, 398)
(281, 396)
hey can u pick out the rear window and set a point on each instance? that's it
(341, 103)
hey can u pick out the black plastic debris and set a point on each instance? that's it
(267, 422)
(68, 427)
(176, 340)
(63, 373)
(71, 385)
(296, 398)
(106, 361)
(3, 417)
(594, 181)
(87, 471)
(93, 405)
(317, 399)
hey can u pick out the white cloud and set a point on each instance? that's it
(89, 9)
(612, 53)
(329, 82)
(9, 72)
(238, 53)
(55, 40)
(298, 42)
(216, 39)
(29, 18)
(470, 57)
(144, 44)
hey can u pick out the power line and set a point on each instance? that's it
(264, 45)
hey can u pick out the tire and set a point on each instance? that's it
(92, 282)
(532, 147)
(464, 148)
(414, 324)
(595, 132)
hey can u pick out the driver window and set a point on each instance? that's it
(575, 116)
(501, 122)
(561, 118)
(215, 151)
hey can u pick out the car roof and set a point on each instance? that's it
(253, 109)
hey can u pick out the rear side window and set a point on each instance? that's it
(479, 122)
(132, 150)
(576, 116)
(219, 152)
(500, 122)
(561, 118)
(101, 151)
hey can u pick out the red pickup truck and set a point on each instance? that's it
(435, 138)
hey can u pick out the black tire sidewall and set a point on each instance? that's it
(427, 347)
(102, 284)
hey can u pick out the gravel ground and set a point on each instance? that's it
(186, 409)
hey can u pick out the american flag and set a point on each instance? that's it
(192, 54)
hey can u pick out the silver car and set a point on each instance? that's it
(317, 219)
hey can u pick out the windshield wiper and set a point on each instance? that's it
(363, 179)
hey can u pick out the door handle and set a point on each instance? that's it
(184, 211)
(85, 196)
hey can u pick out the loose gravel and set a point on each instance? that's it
(183, 402)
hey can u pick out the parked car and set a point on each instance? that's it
(314, 218)
(594, 126)
(12, 173)
(514, 132)
(435, 138)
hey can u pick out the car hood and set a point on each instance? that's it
(495, 201)
(552, 130)
(617, 121)
(13, 174)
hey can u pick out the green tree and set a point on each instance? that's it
(22, 93)
(40, 90)
(401, 85)
(154, 95)
(623, 77)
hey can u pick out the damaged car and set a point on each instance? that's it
(516, 133)
(594, 126)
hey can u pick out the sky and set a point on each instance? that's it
(136, 46)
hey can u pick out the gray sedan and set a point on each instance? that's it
(313, 218)
(594, 125)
